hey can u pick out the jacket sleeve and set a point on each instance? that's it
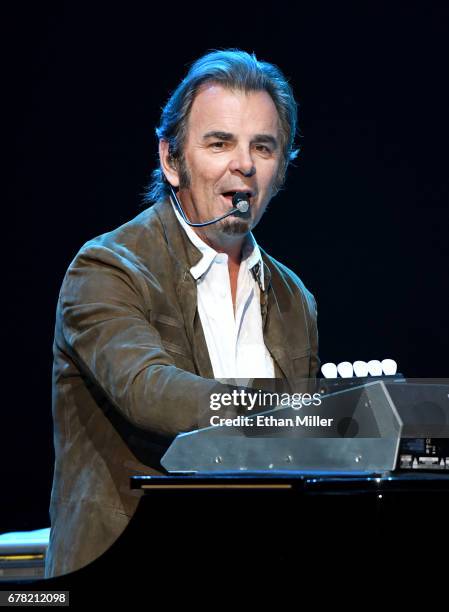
(102, 314)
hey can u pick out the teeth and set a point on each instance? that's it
(345, 369)
(389, 366)
(361, 368)
(374, 367)
(329, 370)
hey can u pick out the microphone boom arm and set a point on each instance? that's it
(240, 201)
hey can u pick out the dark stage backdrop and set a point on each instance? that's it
(363, 219)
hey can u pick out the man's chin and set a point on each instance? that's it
(236, 227)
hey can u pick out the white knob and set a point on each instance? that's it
(345, 369)
(360, 368)
(375, 368)
(329, 370)
(389, 366)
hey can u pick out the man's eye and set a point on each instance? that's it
(218, 145)
(263, 148)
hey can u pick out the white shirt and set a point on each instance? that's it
(235, 342)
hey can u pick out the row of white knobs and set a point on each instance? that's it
(346, 369)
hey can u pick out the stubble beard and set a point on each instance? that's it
(236, 227)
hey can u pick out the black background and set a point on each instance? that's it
(363, 219)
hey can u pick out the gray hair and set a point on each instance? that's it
(233, 69)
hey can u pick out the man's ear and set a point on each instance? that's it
(168, 164)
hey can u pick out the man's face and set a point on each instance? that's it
(232, 144)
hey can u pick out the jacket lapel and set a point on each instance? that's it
(185, 255)
(187, 293)
(273, 331)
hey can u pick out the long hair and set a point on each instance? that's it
(232, 69)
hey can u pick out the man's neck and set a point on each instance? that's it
(231, 245)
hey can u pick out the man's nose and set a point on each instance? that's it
(243, 162)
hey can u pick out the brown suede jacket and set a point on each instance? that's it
(131, 366)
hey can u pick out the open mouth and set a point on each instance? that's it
(228, 195)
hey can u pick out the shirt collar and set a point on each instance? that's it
(250, 253)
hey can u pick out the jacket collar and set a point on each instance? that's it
(184, 252)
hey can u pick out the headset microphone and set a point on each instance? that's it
(240, 203)
(240, 200)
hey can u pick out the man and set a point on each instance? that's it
(150, 314)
